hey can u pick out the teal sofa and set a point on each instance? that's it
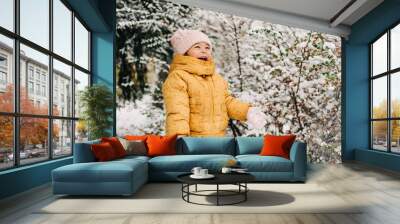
(125, 176)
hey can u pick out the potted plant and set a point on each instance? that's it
(96, 103)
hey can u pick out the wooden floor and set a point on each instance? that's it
(378, 188)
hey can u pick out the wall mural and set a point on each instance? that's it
(293, 75)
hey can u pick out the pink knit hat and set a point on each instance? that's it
(183, 40)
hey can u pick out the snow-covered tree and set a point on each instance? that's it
(293, 75)
(143, 30)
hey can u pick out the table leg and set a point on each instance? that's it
(188, 189)
(217, 194)
(196, 188)
(245, 193)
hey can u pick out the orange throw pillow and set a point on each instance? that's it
(277, 145)
(136, 137)
(103, 151)
(116, 145)
(161, 145)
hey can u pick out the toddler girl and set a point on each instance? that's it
(197, 100)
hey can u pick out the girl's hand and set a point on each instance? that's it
(256, 119)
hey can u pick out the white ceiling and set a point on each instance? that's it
(314, 15)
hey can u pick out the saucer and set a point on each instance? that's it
(208, 176)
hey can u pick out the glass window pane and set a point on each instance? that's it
(395, 47)
(395, 129)
(6, 74)
(379, 97)
(62, 141)
(34, 97)
(33, 139)
(81, 45)
(379, 135)
(62, 29)
(81, 131)
(395, 94)
(62, 89)
(81, 81)
(35, 21)
(6, 142)
(379, 55)
(7, 14)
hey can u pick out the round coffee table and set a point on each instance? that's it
(238, 179)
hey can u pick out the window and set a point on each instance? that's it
(7, 14)
(44, 91)
(3, 78)
(385, 94)
(54, 126)
(3, 61)
(37, 74)
(30, 72)
(81, 45)
(6, 73)
(63, 74)
(38, 89)
(30, 87)
(3, 71)
(34, 25)
(62, 29)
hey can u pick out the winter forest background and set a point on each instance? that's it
(294, 75)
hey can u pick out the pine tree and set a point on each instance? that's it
(143, 29)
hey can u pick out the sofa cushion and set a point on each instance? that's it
(206, 145)
(136, 137)
(103, 151)
(134, 147)
(257, 163)
(249, 145)
(277, 145)
(130, 158)
(116, 145)
(161, 145)
(83, 152)
(185, 163)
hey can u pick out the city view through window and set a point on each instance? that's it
(385, 82)
(39, 114)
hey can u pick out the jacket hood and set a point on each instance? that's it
(192, 65)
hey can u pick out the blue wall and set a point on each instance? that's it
(24, 178)
(100, 17)
(356, 84)
(103, 63)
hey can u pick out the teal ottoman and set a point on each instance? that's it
(118, 177)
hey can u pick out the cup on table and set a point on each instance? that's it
(196, 171)
(203, 172)
(226, 170)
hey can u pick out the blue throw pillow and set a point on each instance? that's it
(206, 145)
(249, 145)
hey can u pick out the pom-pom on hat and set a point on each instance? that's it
(183, 40)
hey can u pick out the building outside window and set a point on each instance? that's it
(34, 56)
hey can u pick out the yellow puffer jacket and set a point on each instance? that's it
(197, 100)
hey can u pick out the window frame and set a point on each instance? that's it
(16, 114)
(388, 74)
